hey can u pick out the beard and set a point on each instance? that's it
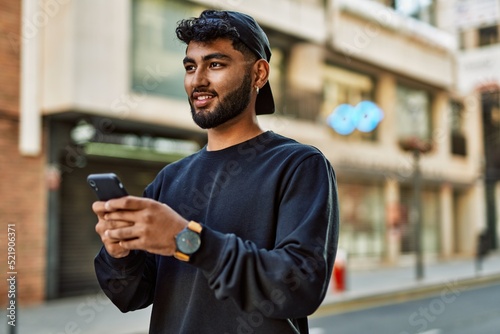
(233, 105)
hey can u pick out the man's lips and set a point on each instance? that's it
(202, 99)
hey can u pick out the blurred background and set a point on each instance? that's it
(97, 86)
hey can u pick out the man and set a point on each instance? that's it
(241, 236)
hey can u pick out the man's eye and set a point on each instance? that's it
(189, 68)
(215, 64)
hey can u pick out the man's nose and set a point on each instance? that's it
(199, 78)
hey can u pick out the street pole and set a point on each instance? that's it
(417, 147)
(417, 214)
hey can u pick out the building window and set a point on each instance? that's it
(430, 221)
(488, 35)
(458, 142)
(363, 220)
(413, 113)
(342, 86)
(156, 52)
(422, 10)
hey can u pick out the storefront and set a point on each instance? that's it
(81, 145)
(362, 220)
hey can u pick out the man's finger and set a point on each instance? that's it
(98, 207)
(123, 233)
(126, 203)
(128, 217)
(132, 244)
(116, 224)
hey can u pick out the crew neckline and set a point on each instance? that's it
(228, 151)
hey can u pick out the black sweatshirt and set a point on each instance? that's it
(269, 211)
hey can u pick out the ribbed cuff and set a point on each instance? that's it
(212, 246)
(127, 263)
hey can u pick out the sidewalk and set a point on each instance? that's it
(94, 314)
(381, 286)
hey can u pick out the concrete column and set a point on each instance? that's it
(392, 218)
(306, 67)
(470, 39)
(444, 10)
(471, 218)
(446, 220)
(385, 97)
(30, 119)
(441, 119)
(473, 118)
(306, 78)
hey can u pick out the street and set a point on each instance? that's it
(454, 310)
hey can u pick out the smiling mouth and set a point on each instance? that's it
(202, 99)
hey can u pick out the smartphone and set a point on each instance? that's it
(106, 186)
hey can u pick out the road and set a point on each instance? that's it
(452, 311)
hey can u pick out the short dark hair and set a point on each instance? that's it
(207, 29)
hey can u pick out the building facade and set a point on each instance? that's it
(479, 78)
(109, 79)
(23, 191)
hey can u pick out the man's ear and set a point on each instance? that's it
(261, 72)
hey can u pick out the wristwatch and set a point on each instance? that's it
(188, 241)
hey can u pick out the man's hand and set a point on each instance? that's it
(130, 222)
(112, 245)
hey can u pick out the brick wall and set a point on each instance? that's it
(22, 186)
(10, 12)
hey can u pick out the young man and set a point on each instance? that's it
(241, 236)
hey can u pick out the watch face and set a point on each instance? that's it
(188, 242)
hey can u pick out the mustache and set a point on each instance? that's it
(203, 90)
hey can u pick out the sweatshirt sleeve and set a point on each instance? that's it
(128, 282)
(290, 280)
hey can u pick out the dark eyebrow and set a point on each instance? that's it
(216, 55)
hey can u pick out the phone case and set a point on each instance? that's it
(106, 186)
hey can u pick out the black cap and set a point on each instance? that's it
(252, 35)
